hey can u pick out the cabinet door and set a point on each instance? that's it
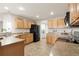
(61, 23)
(49, 24)
(29, 24)
(49, 39)
(77, 10)
(73, 12)
(29, 38)
(52, 23)
(25, 24)
(19, 23)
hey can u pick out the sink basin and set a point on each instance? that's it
(1, 38)
(65, 33)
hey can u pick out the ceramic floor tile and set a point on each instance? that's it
(61, 48)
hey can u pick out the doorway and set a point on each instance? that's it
(43, 30)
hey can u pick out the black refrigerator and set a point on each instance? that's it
(35, 29)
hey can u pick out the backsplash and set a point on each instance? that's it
(68, 30)
(22, 30)
(59, 30)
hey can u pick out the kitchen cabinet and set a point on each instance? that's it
(74, 11)
(60, 23)
(52, 23)
(49, 24)
(29, 24)
(51, 38)
(28, 37)
(16, 49)
(19, 23)
(23, 23)
(12, 46)
(56, 23)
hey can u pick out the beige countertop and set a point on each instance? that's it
(60, 35)
(10, 40)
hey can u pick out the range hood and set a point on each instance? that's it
(67, 19)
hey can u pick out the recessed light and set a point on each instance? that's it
(51, 13)
(6, 8)
(37, 16)
(21, 8)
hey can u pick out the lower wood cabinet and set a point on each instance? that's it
(28, 37)
(15, 49)
(51, 38)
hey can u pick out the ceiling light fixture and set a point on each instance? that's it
(21, 8)
(6, 8)
(37, 16)
(51, 13)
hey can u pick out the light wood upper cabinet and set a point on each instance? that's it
(23, 23)
(52, 23)
(29, 24)
(49, 24)
(19, 23)
(74, 11)
(60, 23)
(56, 23)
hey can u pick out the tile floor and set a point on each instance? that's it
(61, 48)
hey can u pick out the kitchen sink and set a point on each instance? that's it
(1, 37)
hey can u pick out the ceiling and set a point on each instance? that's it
(36, 9)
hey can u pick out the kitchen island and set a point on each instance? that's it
(11, 46)
(51, 38)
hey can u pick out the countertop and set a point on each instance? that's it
(10, 40)
(60, 35)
